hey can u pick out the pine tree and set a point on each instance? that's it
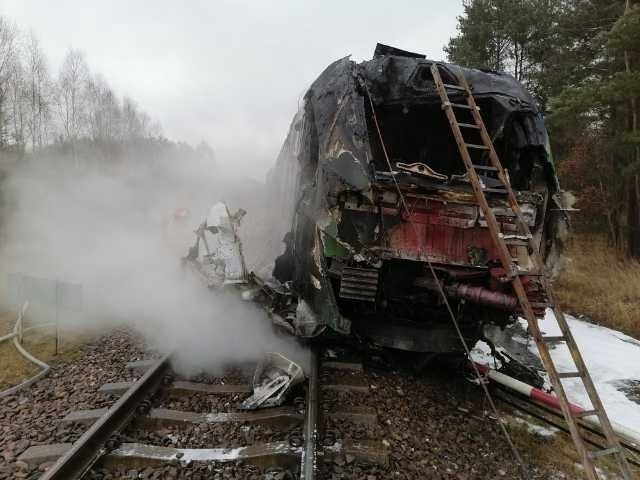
(581, 60)
(598, 106)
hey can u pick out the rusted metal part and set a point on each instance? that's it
(90, 446)
(474, 294)
(483, 296)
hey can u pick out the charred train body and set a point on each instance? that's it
(372, 135)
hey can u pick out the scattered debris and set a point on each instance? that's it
(274, 377)
(217, 254)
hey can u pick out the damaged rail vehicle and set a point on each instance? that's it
(371, 136)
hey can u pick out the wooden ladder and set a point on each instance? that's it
(458, 84)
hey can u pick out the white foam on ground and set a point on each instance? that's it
(540, 430)
(612, 359)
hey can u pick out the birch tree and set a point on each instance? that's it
(37, 92)
(8, 34)
(72, 83)
(104, 113)
(17, 104)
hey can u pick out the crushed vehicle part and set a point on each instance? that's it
(274, 377)
(217, 253)
(346, 219)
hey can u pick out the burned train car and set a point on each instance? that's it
(357, 261)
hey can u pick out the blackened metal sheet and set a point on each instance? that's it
(382, 49)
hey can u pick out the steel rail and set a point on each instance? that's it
(309, 461)
(555, 418)
(91, 445)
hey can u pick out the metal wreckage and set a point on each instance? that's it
(368, 137)
(409, 234)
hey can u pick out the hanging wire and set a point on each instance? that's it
(454, 321)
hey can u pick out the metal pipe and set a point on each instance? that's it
(483, 296)
(473, 294)
(308, 467)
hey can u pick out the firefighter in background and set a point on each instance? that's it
(217, 254)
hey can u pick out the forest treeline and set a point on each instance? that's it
(581, 61)
(71, 113)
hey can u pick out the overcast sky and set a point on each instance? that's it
(228, 72)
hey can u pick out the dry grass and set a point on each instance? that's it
(601, 284)
(41, 343)
(556, 451)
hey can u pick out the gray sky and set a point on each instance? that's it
(228, 72)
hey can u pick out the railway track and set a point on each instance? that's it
(335, 425)
(173, 426)
(554, 418)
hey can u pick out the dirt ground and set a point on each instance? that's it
(42, 344)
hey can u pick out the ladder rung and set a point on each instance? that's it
(585, 413)
(476, 146)
(602, 453)
(459, 105)
(488, 168)
(516, 243)
(469, 125)
(540, 304)
(454, 87)
(556, 338)
(569, 375)
(494, 190)
(533, 273)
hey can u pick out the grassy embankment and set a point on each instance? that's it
(555, 451)
(601, 284)
(14, 368)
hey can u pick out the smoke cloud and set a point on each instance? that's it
(114, 231)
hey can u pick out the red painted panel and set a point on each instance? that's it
(440, 231)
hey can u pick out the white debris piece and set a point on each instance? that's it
(217, 253)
